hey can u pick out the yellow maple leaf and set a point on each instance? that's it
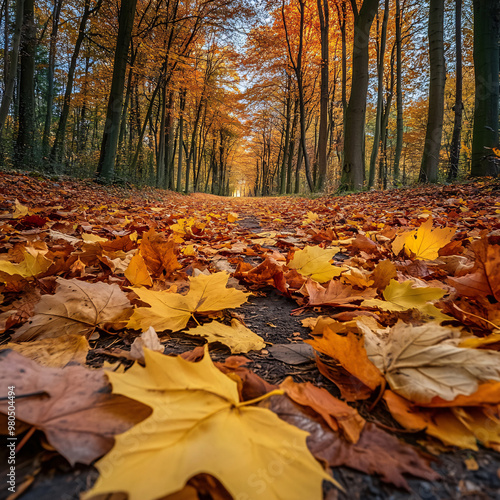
(33, 264)
(19, 210)
(310, 217)
(198, 425)
(237, 337)
(425, 242)
(314, 262)
(232, 217)
(403, 296)
(171, 311)
(137, 272)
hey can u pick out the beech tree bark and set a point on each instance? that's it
(434, 131)
(24, 153)
(458, 106)
(380, 95)
(106, 166)
(399, 97)
(486, 67)
(11, 62)
(324, 20)
(353, 168)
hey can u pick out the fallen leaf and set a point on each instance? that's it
(137, 272)
(349, 351)
(237, 337)
(425, 242)
(292, 354)
(172, 311)
(403, 296)
(199, 425)
(383, 273)
(422, 362)
(77, 307)
(159, 254)
(439, 424)
(53, 352)
(314, 262)
(34, 263)
(376, 451)
(483, 280)
(337, 414)
(73, 406)
(335, 294)
(19, 210)
(148, 339)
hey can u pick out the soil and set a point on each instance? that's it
(45, 475)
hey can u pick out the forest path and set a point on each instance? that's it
(86, 231)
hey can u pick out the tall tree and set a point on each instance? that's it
(353, 168)
(56, 12)
(434, 131)
(11, 61)
(324, 20)
(486, 68)
(24, 156)
(106, 166)
(399, 96)
(458, 106)
(57, 151)
(297, 67)
(380, 94)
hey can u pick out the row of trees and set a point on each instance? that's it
(140, 90)
(262, 97)
(374, 92)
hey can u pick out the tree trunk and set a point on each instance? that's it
(432, 145)
(24, 157)
(57, 151)
(182, 105)
(353, 168)
(324, 19)
(380, 96)
(291, 150)
(297, 66)
(105, 169)
(486, 67)
(11, 65)
(50, 76)
(399, 97)
(288, 112)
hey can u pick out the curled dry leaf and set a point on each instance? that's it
(148, 339)
(159, 254)
(34, 263)
(73, 406)
(53, 352)
(237, 337)
(337, 414)
(349, 351)
(199, 425)
(422, 362)
(454, 426)
(79, 308)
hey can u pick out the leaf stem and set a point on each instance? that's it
(276, 392)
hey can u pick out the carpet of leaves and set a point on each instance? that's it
(371, 321)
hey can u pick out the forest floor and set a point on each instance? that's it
(254, 240)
